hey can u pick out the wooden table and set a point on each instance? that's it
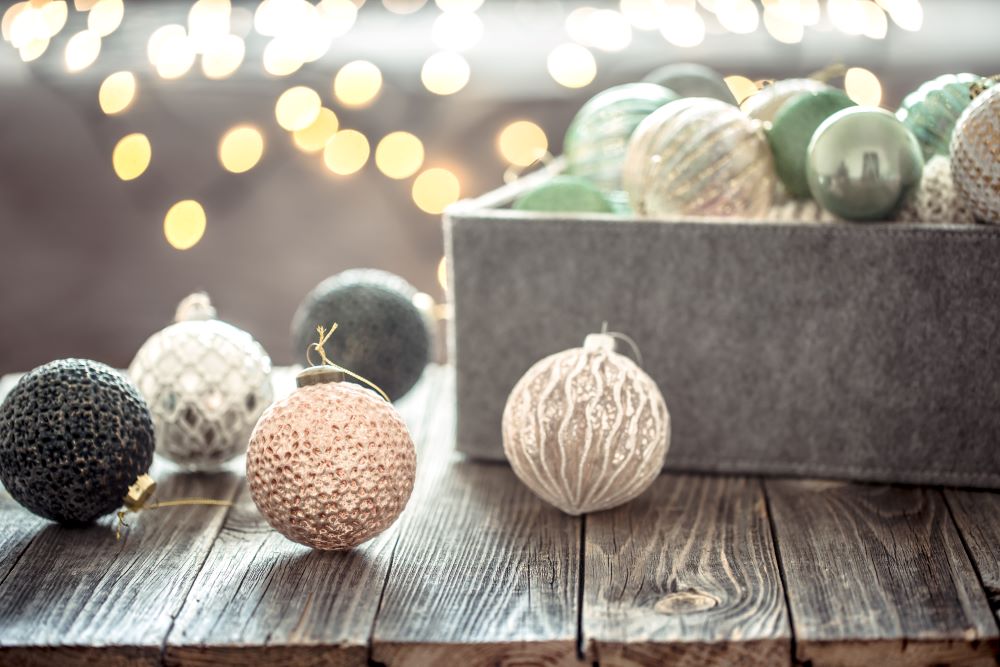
(698, 571)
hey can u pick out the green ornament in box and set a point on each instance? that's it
(932, 110)
(863, 163)
(599, 133)
(692, 80)
(793, 128)
(564, 194)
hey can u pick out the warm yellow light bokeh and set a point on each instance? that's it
(442, 273)
(399, 155)
(458, 5)
(184, 224)
(297, 108)
(171, 51)
(82, 50)
(403, 6)
(457, 31)
(223, 56)
(863, 87)
(435, 189)
(445, 73)
(785, 27)
(54, 14)
(105, 16)
(312, 139)
(682, 26)
(346, 152)
(117, 92)
(283, 56)
(522, 142)
(357, 83)
(241, 148)
(131, 156)
(571, 65)
(33, 49)
(741, 87)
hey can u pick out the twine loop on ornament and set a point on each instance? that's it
(137, 500)
(324, 336)
(514, 172)
(626, 338)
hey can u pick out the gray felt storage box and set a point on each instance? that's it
(857, 351)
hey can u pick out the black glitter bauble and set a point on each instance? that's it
(380, 335)
(74, 434)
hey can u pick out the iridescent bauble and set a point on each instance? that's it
(564, 194)
(74, 434)
(766, 103)
(692, 80)
(793, 128)
(586, 429)
(332, 464)
(598, 135)
(936, 199)
(206, 383)
(975, 156)
(932, 110)
(863, 163)
(699, 156)
(381, 336)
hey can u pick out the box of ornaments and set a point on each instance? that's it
(813, 285)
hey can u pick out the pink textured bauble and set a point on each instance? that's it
(331, 465)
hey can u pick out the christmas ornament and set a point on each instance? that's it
(764, 106)
(936, 198)
(586, 429)
(331, 465)
(74, 434)
(386, 336)
(598, 135)
(692, 80)
(931, 110)
(792, 128)
(206, 383)
(786, 208)
(862, 164)
(975, 156)
(699, 156)
(564, 194)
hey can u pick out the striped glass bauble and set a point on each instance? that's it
(930, 112)
(702, 157)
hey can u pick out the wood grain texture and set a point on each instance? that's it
(977, 515)
(263, 599)
(685, 574)
(878, 575)
(485, 573)
(18, 528)
(80, 587)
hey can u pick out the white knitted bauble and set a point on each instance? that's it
(937, 198)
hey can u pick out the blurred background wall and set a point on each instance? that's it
(87, 267)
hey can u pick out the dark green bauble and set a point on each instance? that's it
(932, 110)
(597, 138)
(793, 128)
(692, 80)
(74, 434)
(381, 335)
(564, 194)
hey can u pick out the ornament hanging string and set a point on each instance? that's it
(626, 338)
(513, 172)
(138, 497)
(324, 336)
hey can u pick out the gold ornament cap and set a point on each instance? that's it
(141, 490)
(319, 375)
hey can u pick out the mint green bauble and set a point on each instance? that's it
(598, 135)
(863, 163)
(692, 80)
(932, 110)
(564, 194)
(793, 128)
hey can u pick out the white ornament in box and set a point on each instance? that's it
(206, 383)
(586, 429)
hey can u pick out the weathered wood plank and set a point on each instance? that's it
(685, 574)
(977, 515)
(80, 587)
(484, 573)
(265, 600)
(878, 575)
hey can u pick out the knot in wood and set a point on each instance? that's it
(685, 602)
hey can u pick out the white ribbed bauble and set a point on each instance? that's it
(586, 429)
(206, 383)
(975, 156)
